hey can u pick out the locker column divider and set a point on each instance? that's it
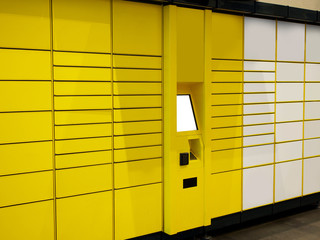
(243, 39)
(275, 113)
(304, 101)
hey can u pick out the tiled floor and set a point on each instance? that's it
(297, 226)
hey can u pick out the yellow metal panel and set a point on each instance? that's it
(226, 65)
(137, 127)
(226, 121)
(81, 59)
(137, 28)
(83, 102)
(83, 131)
(121, 155)
(226, 110)
(25, 96)
(137, 75)
(227, 39)
(137, 140)
(135, 173)
(25, 157)
(138, 211)
(223, 99)
(81, 25)
(226, 132)
(225, 193)
(24, 64)
(80, 117)
(25, 221)
(137, 114)
(190, 45)
(25, 126)
(83, 159)
(136, 88)
(226, 76)
(125, 61)
(25, 24)
(226, 87)
(82, 74)
(23, 188)
(226, 143)
(82, 88)
(85, 217)
(83, 145)
(226, 160)
(83, 180)
(137, 101)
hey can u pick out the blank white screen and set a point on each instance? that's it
(185, 116)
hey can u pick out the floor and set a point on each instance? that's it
(303, 225)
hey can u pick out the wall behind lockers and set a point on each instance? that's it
(310, 4)
(265, 112)
(80, 119)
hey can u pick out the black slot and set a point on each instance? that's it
(190, 182)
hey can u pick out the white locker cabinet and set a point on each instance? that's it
(259, 87)
(312, 110)
(255, 140)
(290, 41)
(259, 155)
(311, 176)
(259, 38)
(311, 147)
(258, 129)
(258, 119)
(258, 108)
(312, 91)
(288, 131)
(289, 112)
(288, 151)
(312, 129)
(258, 98)
(312, 43)
(312, 72)
(290, 72)
(257, 186)
(289, 92)
(259, 76)
(288, 180)
(258, 66)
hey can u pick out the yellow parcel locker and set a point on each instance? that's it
(223, 121)
(137, 75)
(230, 132)
(122, 115)
(226, 143)
(141, 24)
(82, 88)
(136, 88)
(82, 117)
(130, 154)
(138, 140)
(82, 59)
(226, 160)
(219, 111)
(137, 127)
(85, 217)
(226, 76)
(124, 61)
(82, 74)
(226, 87)
(82, 180)
(138, 211)
(82, 25)
(25, 221)
(82, 102)
(224, 99)
(137, 101)
(226, 65)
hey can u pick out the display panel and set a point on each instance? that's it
(186, 120)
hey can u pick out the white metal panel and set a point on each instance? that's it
(312, 91)
(258, 98)
(289, 112)
(255, 140)
(312, 110)
(311, 176)
(258, 129)
(312, 43)
(288, 131)
(311, 129)
(259, 76)
(288, 151)
(259, 38)
(258, 155)
(258, 66)
(288, 182)
(289, 92)
(258, 119)
(257, 186)
(290, 41)
(259, 87)
(311, 147)
(312, 72)
(258, 108)
(290, 72)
